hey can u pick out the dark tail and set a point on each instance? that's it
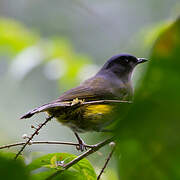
(34, 111)
(43, 108)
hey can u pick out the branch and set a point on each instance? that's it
(36, 132)
(44, 142)
(85, 154)
(105, 101)
(106, 162)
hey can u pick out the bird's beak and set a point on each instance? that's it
(141, 60)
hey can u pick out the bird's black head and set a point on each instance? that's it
(122, 64)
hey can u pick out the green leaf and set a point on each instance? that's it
(149, 136)
(82, 170)
(12, 169)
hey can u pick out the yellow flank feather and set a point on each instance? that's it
(100, 109)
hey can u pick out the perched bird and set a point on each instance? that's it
(91, 106)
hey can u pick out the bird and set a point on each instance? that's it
(93, 104)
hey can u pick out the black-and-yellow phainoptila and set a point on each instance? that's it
(92, 105)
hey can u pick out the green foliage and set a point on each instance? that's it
(49, 163)
(45, 166)
(14, 37)
(149, 136)
(11, 169)
(28, 50)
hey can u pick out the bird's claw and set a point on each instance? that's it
(81, 146)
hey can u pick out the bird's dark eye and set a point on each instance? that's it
(126, 60)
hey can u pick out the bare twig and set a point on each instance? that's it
(44, 142)
(85, 154)
(106, 163)
(36, 132)
(106, 101)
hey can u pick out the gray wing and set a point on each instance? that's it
(92, 89)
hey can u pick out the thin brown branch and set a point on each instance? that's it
(106, 163)
(85, 154)
(44, 142)
(36, 132)
(106, 101)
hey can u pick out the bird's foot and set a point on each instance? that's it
(81, 144)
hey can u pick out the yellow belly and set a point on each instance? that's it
(87, 117)
(99, 109)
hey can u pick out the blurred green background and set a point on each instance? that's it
(47, 47)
